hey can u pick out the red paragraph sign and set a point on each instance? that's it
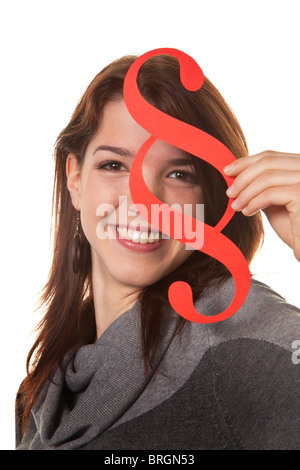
(202, 145)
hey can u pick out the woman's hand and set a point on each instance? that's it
(269, 181)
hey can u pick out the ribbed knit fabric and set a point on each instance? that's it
(228, 385)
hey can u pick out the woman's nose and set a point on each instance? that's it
(152, 179)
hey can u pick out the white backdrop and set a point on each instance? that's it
(50, 51)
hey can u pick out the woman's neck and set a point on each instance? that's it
(111, 299)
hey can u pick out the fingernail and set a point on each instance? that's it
(248, 213)
(228, 168)
(230, 191)
(236, 204)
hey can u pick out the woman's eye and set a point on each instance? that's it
(178, 175)
(183, 176)
(111, 166)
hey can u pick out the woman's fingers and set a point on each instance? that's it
(275, 196)
(247, 192)
(263, 161)
(257, 173)
(269, 181)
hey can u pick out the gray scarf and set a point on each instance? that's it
(93, 387)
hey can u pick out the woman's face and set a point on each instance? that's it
(100, 190)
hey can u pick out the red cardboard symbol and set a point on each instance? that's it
(202, 145)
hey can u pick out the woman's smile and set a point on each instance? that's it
(142, 239)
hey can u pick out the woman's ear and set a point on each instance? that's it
(73, 180)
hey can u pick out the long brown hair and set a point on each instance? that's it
(67, 298)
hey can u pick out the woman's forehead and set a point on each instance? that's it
(120, 134)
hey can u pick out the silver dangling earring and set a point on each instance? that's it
(76, 246)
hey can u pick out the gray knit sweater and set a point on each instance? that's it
(228, 385)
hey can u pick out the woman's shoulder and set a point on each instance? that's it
(260, 298)
(19, 410)
(254, 361)
(264, 315)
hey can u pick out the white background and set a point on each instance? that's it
(51, 50)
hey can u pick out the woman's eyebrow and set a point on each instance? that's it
(179, 162)
(123, 152)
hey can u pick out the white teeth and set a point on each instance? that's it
(144, 238)
(154, 237)
(123, 232)
(137, 236)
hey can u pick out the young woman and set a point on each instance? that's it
(113, 366)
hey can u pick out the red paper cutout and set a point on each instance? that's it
(204, 146)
